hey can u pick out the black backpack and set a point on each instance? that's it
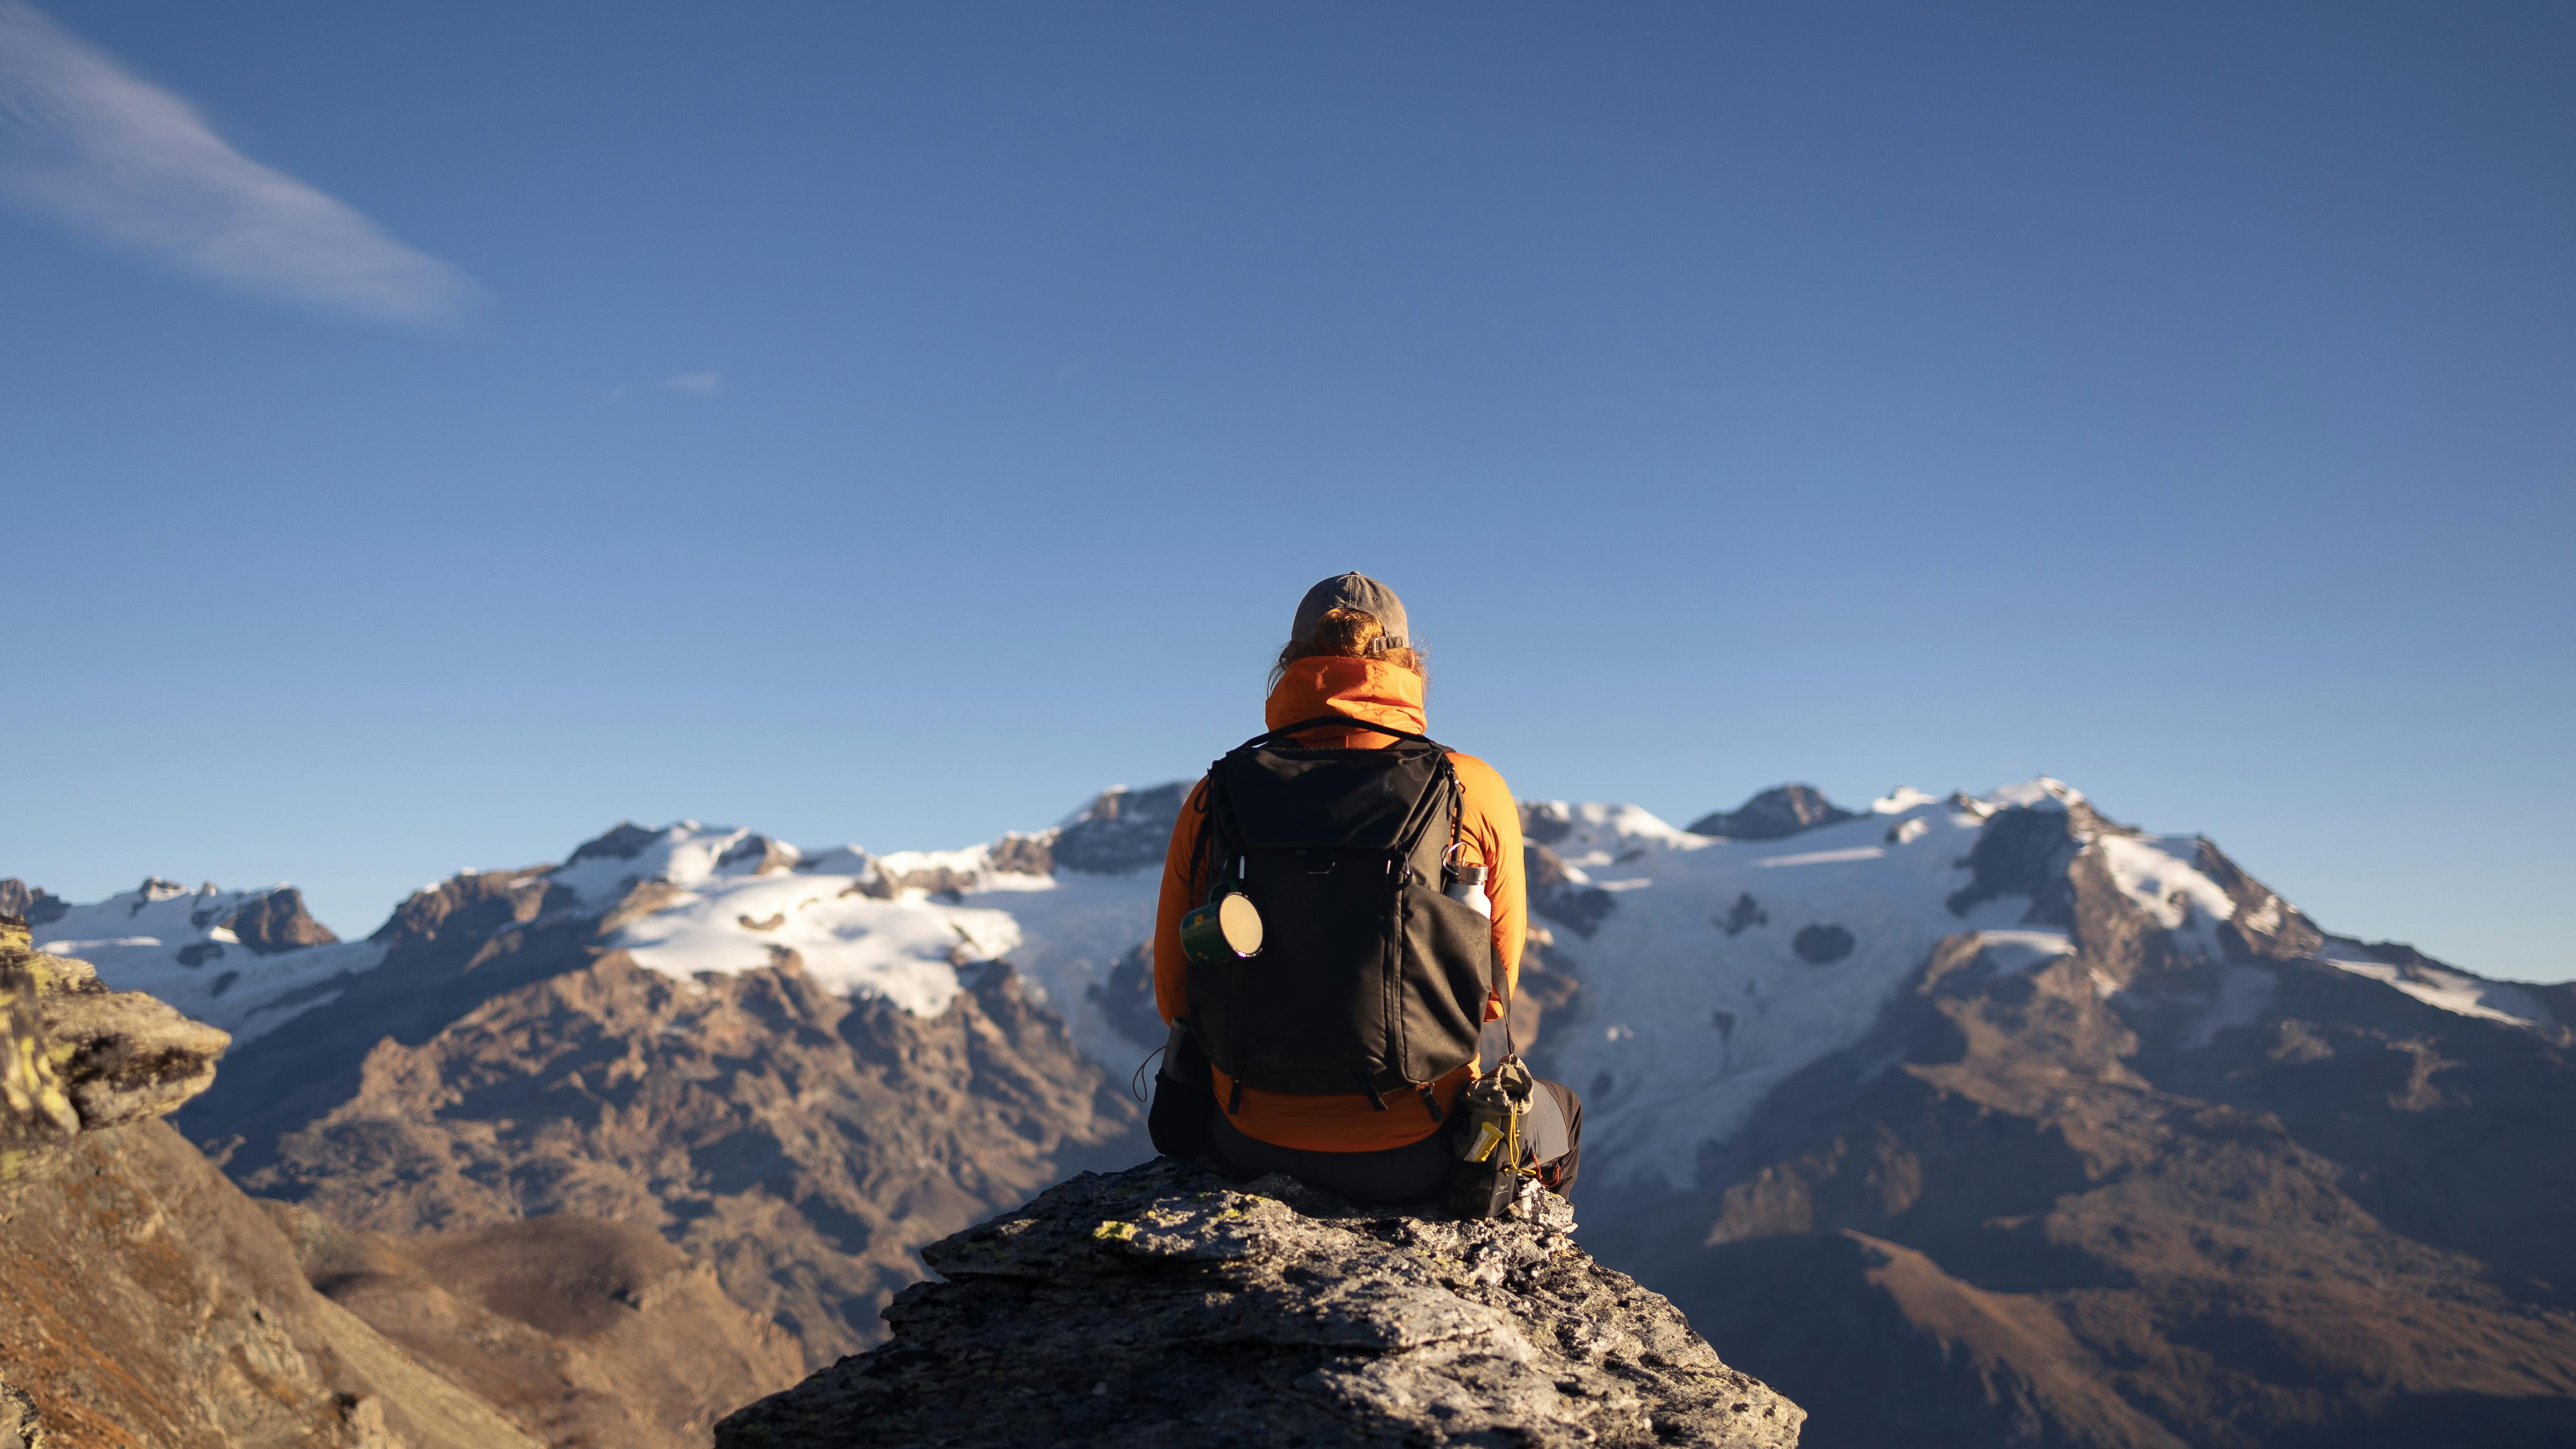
(1369, 979)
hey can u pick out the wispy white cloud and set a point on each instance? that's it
(704, 384)
(91, 145)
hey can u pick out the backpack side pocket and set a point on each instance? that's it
(1178, 1120)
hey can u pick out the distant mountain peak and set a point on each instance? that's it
(1121, 831)
(623, 841)
(38, 908)
(1782, 810)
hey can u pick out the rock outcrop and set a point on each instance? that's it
(1776, 813)
(84, 1058)
(1123, 830)
(76, 1057)
(1164, 1305)
(276, 921)
(1560, 893)
(36, 907)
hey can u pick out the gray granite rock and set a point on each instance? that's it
(1165, 1305)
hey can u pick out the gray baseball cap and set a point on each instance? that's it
(1351, 591)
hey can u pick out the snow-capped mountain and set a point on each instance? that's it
(246, 961)
(799, 1067)
(713, 899)
(896, 927)
(1714, 970)
(2055, 1131)
(1975, 1087)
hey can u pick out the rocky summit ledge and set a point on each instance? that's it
(76, 1057)
(1164, 1305)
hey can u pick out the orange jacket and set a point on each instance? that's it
(1374, 691)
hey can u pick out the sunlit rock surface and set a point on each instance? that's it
(1163, 1305)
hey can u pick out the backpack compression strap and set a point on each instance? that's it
(1221, 809)
(1457, 824)
(1356, 726)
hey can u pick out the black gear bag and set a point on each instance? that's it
(1369, 979)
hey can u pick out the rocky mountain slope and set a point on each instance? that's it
(145, 1303)
(580, 1331)
(1163, 1305)
(2063, 1133)
(660, 1032)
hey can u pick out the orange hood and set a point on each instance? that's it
(1369, 690)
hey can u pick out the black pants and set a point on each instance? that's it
(1417, 1172)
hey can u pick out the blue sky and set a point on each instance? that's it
(435, 433)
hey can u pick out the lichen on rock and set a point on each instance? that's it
(20, 1426)
(1166, 1305)
(76, 1057)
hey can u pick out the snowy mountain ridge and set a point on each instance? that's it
(247, 961)
(1711, 969)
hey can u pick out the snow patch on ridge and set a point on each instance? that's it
(1597, 835)
(1901, 800)
(2024, 949)
(2452, 991)
(895, 926)
(166, 939)
(1697, 1023)
(2040, 794)
(2157, 873)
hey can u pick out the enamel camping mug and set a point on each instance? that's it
(1225, 929)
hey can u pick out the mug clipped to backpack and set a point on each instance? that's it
(1493, 1143)
(1226, 929)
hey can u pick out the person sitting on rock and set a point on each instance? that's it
(1322, 955)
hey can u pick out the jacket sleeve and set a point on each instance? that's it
(1181, 891)
(1491, 829)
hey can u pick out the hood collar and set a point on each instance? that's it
(1371, 691)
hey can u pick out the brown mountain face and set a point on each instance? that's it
(587, 1333)
(277, 921)
(37, 908)
(145, 1303)
(502, 1065)
(1781, 811)
(2140, 1197)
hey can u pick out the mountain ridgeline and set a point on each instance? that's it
(1960, 1120)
